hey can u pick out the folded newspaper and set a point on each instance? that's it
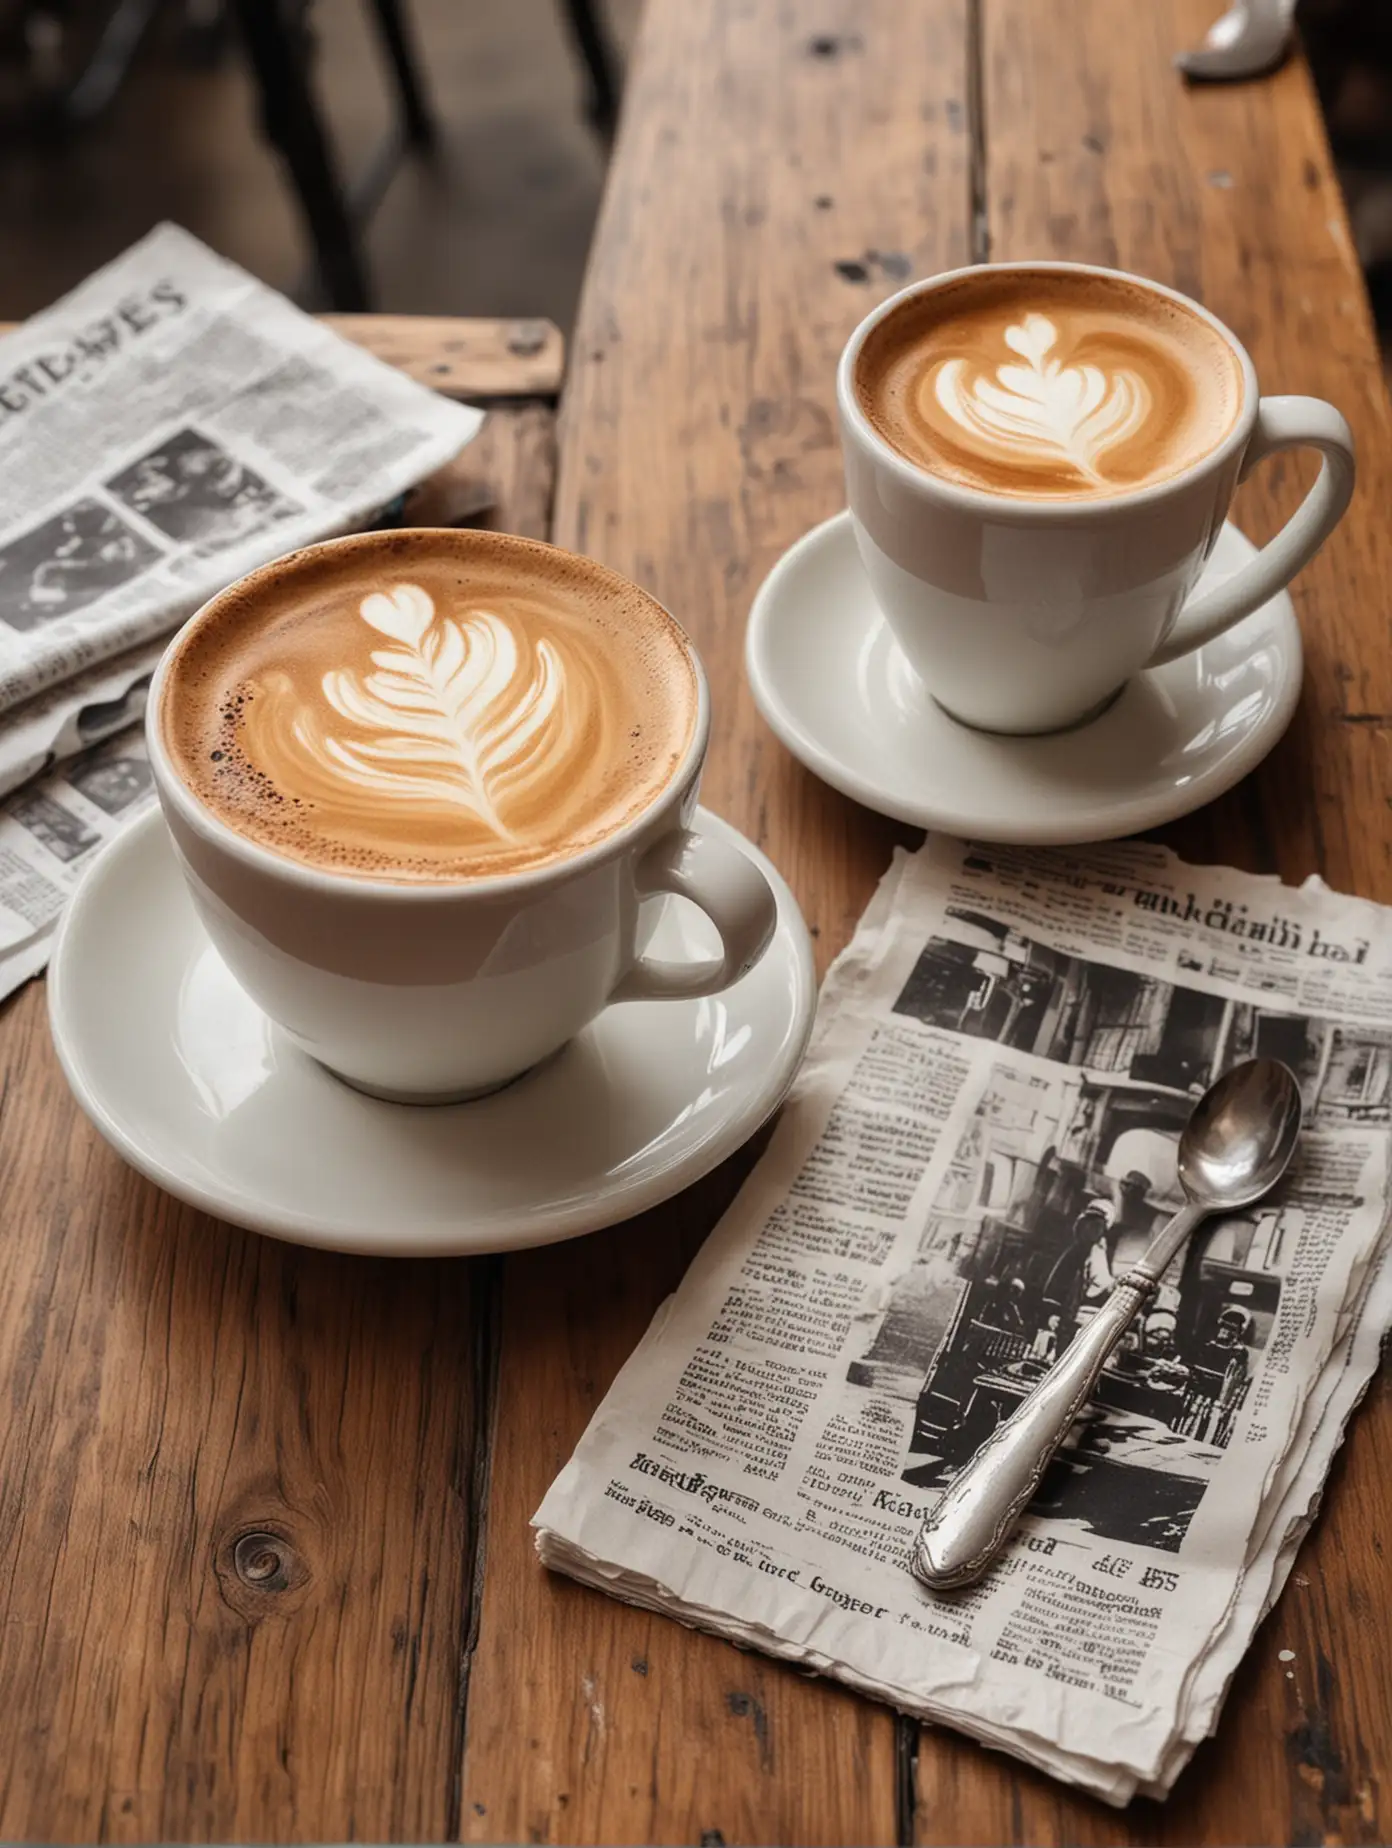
(164, 428)
(982, 1137)
(48, 833)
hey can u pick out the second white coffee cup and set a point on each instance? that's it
(1023, 615)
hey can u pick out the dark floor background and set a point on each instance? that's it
(498, 223)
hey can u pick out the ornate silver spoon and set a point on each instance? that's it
(1235, 1147)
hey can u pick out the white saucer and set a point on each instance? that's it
(185, 1076)
(830, 680)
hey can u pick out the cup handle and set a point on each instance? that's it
(1282, 423)
(735, 896)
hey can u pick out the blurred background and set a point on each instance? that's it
(267, 128)
(115, 114)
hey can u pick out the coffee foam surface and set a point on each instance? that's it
(1045, 385)
(429, 707)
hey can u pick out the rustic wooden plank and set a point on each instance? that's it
(237, 1483)
(1095, 151)
(455, 355)
(460, 357)
(502, 480)
(778, 171)
(233, 1508)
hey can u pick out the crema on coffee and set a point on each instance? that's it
(430, 706)
(1049, 385)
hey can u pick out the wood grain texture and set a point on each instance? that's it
(459, 357)
(779, 170)
(502, 480)
(237, 1483)
(1095, 151)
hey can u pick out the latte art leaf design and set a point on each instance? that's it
(1042, 408)
(454, 713)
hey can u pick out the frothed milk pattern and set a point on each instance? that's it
(1034, 384)
(461, 714)
(494, 707)
(1054, 413)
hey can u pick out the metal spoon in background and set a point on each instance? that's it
(1249, 39)
(1235, 1147)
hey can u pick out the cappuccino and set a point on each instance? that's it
(1049, 385)
(428, 707)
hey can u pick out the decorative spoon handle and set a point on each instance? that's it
(973, 1519)
(975, 1515)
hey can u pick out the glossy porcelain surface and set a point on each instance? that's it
(1026, 614)
(191, 1082)
(830, 679)
(438, 991)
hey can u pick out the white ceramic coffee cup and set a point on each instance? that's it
(426, 993)
(1027, 616)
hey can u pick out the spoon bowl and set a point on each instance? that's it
(1241, 1137)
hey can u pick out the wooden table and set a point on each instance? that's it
(264, 1562)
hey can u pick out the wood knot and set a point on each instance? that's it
(260, 1571)
(832, 44)
(259, 1560)
(527, 338)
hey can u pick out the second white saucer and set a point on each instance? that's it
(829, 678)
(182, 1072)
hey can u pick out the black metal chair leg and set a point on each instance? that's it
(121, 38)
(592, 42)
(395, 30)
(279, 58)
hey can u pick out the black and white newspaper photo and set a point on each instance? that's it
(982, 1140)
(166, 427)
(64, 720)
(50, 830)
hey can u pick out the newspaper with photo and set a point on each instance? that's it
(64, 720)
(50, 831)
(166, 427)
(982, 1137)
